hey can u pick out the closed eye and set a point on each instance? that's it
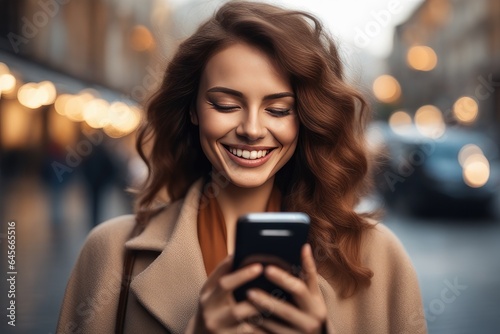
(222, 107)
(279, 112)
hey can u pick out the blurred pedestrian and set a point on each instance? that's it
(99, 173)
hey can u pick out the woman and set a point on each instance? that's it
(253, 115)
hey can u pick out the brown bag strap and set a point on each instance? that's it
(128, 267)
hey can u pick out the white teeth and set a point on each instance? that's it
(250, 155)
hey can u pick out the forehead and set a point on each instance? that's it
(242, 66)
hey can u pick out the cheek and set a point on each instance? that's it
(286, 130)
(212, 125)
(207, 130)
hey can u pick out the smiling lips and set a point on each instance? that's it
(248, 158)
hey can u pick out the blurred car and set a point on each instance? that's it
(455, 174)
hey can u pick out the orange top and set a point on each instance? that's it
(212, 233)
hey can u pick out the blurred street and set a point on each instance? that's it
(446, 252)
(46, 252)
(462, 253)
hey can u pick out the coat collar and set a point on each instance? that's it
(169, 287)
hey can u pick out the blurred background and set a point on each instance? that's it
(74, 75)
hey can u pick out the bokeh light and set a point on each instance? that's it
(476, 170)
(116, 119)
(48, 91)
(29, 95)
(95, 113)
(75, 105)
(141, 39)
(475, 166)
(34, 95)
(422, 58)
(7, 83)
(122, 120)
(386, 89)
(429, 121)
(60, 103)
(467, 151)
(465, 110)
(400, 122)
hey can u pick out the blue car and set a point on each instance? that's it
(455, 174)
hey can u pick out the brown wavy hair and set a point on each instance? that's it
(328, 170)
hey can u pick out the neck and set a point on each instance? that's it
(235, 201)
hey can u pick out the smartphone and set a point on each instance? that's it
(270, 238)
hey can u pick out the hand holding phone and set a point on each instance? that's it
(270, 238)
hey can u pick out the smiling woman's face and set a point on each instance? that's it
(246, 115)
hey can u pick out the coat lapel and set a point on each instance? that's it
(169, 287)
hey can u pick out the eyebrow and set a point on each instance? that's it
(236, 93)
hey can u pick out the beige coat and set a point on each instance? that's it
(169, 274)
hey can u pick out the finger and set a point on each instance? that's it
(222, 268)
(296, 320)
(247, 328)
(294, 285)
(273, 306)
(272, 326)
(244, 311)
(231, 315)
(309, 268)
(229, 282)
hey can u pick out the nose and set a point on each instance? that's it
(252, 126)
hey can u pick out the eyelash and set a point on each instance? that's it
(279, 112)
(223, 108)
(275, 112)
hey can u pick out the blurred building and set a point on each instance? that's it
(73, 78)
(447, 50)
(70, 66)
(111, 43)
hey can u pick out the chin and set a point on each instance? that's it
(248, 181)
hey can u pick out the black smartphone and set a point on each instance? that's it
(270, 238)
